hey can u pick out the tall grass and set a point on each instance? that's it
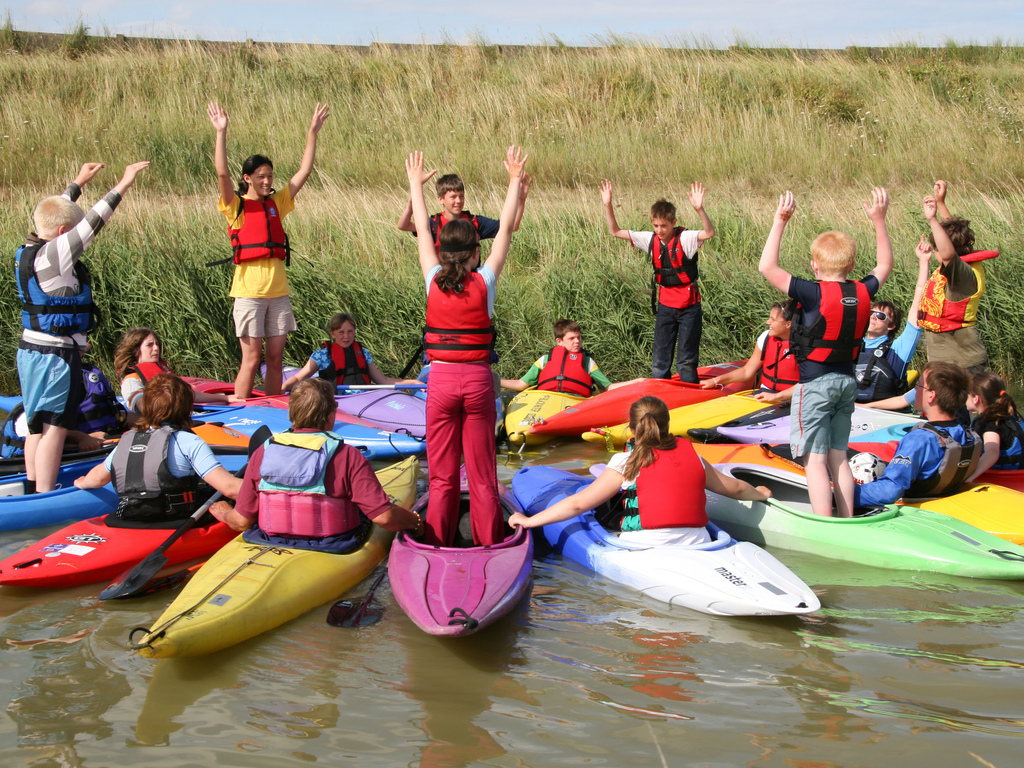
(748, 123)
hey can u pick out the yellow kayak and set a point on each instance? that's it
(711, 413)
(530, 406)
(246, 589)
(993, 508)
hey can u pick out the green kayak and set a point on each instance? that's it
(893, 537)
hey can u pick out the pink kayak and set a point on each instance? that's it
(456, 591)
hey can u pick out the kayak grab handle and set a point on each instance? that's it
(1008, 555)
(468, 621)
(145, 630)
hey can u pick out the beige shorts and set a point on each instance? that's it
(263, 318)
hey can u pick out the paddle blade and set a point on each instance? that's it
(347, 613)
(135, 580)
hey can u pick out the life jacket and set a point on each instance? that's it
(876, 373)
(957, 463)
(1011, 457)
(669, 493)
(147, 490)
(347, 364)
(438, 220)
(14, 431)
(939, 315)
(293, 498)
(837, 335)
(458, 328)
(671, 267)
(100, 410)
(261, 235)
(55, 315)
(566, 372)
(779, 368)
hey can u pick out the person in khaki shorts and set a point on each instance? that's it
(263, 309)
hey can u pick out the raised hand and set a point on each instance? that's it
(787, 207)
(940, 191)
(524, 186)
(697, 195)
(606, 192)
(217, 116)
(930, 206)
(878, 204)
(515, 161)
(924, 249)
(88, 173)
(129, 176)
(414, 169)
(320, 115)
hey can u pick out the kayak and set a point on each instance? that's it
(390, 409)
(373, 442)
(685, 420)
(775, 430)
(456, 591)
(992, 508)
(724, 577)
(898, 537)
(612, 407)
(530, 406)
(18, 511)
(89, 551)
(244, 589)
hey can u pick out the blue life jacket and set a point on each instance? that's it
(55, 315)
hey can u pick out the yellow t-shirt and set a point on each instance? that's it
(260, 278)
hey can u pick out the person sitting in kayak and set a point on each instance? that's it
(306, 489)
(137, 360)
(451, 194)
(772, 362)
(935, 457)
(163, 492)
(998, 422)
(567, 368)
(664, 480)
(342, 360)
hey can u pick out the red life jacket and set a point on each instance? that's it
(837, 335)
(347, 364)
(779, 368)
(458, 329)
(670, 492)
(940, 315)
(671, 267)
(147, 371)
(438, 220)
(566, 372)
(261, 235)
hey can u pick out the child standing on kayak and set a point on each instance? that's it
(826, 338)
(58, 311)
(342, 360)
(673, 252)
(568, 367)
(664, 482)
(263, 309)
(451, 194)
(459, 338)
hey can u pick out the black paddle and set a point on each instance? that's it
(349, 613)
(135, 581)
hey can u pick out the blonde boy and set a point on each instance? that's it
(826, 338)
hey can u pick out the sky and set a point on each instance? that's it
(718, 23)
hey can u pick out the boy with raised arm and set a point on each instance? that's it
(57, 312)
(673, 253)
(826, 337)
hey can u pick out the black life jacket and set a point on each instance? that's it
(876, 374)
(957, 464)
(838, 333)
(348, 365)
(147, 490)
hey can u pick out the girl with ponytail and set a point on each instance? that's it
(998, 423)
(263, 309)
(664, 482)
(459, 339)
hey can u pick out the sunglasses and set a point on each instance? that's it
(879, 315)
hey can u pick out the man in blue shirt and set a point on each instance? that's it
(936, 457)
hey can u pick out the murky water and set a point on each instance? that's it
(896, 669)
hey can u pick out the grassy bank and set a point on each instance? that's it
(748, 123)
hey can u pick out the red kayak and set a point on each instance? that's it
(89, 551)
(1008, 478)
(612, 407)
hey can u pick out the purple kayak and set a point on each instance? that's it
(456, 591)
(773, 432)
(391, 409)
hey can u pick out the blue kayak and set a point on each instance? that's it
(374, 444)
(67, 503)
